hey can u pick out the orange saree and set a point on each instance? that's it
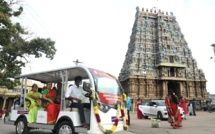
(174, 117)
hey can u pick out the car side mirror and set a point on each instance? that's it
(86, 87)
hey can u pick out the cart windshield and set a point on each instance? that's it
(108, 89)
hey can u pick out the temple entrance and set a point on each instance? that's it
(174, 86)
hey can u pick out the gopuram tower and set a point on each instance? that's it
(158, 59)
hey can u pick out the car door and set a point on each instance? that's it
(154, 109)
(145, 109)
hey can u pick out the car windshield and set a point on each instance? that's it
(161, 103)
(108, 89)
(143, 103)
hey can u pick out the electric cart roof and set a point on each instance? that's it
(55, 75)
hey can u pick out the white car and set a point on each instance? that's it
(157, 108)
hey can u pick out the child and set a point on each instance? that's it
(190, 109)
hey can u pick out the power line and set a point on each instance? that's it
(42, 23)
(36, 17)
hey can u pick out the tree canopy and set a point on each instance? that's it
(14, 48)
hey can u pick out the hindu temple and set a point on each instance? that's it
(159, 59)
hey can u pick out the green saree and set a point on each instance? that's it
(33, 106)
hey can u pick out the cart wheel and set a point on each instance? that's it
(65, 127)
(21, 126)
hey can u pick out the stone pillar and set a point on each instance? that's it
(175, 72)
(191, 90)
(181, 89)
(199, 90)
(147, 91)
(141, 90)
(133, 86)
(164, 85)
(145, 87)
(151, 91)
(204, 90)
(134, 102)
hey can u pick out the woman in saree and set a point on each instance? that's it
(139, 113)
(174, 116)
(183, 104)
(52, 108)
(33, 103)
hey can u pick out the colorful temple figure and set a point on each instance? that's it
(139, 113)
(174, 116)
(33, 103)
(52, 108)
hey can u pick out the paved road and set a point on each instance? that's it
(203, 123)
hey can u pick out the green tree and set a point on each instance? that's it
(14, 49)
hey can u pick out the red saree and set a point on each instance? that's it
(52, 109)
(183, 105)
(139, 113)
(174, 117)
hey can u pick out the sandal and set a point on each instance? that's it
(85, 125)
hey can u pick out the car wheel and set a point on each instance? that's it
(65, 127)
(21, 126)
(160, 116)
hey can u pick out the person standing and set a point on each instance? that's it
(174, 117)
(194, 106)
(183, 105)
(75, 94)
(139, 113)
(16, 102)
(190, 109)
(128, 106)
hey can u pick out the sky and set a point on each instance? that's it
(97, 32)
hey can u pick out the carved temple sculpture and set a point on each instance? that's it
(158, 59)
